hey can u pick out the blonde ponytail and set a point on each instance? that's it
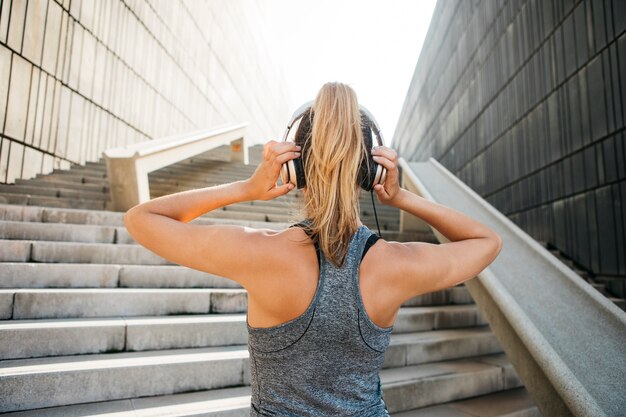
(331, 164)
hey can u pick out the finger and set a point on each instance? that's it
(281, 147)
(281, 159)
(384, 162)
(281, 190)
(385, 152)
(381, 192)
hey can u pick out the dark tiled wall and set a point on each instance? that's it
(80, 76)
(525, 101)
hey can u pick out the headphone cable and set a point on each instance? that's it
(375, 215)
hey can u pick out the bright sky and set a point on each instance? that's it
(372, 45)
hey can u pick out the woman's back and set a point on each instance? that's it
(327, 360)
(323, 354)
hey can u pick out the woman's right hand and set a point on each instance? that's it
(388, 158)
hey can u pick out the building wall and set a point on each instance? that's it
(78, 77)
(524, 101)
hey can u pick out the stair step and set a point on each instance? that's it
(48, 190)
(60, 183)
(52, 230)
(438, 345)
(44, 214)
(60, 202)
(514, 402)
(414, 329)
(41, 303)
(110, 302)
(114, 376)
(67, 275)
(55, 337)
(235, 402)
(67, 176)
(16, 230)
(72, 252)
(418, 386)
(220, 402)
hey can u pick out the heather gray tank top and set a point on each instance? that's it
(325, 362)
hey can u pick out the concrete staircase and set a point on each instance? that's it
(92, 323)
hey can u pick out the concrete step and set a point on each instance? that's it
(601, 288)
(56, 337)
(45, 214)
(514, 402)
(453, 295)
(60, 183)
(388, 216)
(88, 176)
(40, 303)
(432, 346)
(114, 376)
(235, 402)
(67, 275)
(253, 216)
(76, 225)
(616, 285)
(46, 201)
(423, 385)
(62, 380)
(77, 178)
(448, 330)
(61, 232)
(219, 402)
(38, 188)
(72, 252)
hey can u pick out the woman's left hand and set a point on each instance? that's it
(262, 184)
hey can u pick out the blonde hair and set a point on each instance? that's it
(332, 151)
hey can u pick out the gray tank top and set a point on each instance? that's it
(325, 362)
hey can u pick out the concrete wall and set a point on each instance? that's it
(78, 77)
(525, 102)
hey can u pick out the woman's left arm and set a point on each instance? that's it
(231, 251)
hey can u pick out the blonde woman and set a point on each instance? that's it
(320, 312)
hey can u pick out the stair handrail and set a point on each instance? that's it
(128, 166)
(556, 388)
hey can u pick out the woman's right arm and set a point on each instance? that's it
(421, 267)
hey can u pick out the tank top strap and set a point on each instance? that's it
(360, 243)
(374, 336)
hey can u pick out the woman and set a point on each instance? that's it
(320, 312)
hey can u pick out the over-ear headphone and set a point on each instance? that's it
(292, 171)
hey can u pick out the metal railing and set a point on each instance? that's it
(128, 166)
(565, 340)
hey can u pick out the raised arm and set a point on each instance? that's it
(421, 267)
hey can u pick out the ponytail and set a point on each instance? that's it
(332, 149)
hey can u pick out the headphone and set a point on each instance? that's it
(292, 171)
(370, 172)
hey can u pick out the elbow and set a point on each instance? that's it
(498, 245)
(129, 219)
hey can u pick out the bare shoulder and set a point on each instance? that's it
(408, 269)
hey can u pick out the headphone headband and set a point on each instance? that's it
(372, 123)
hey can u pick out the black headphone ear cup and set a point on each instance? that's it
(299, 171)
(366, 178)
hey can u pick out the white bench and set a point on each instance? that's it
(128, 166)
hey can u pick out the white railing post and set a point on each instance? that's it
(239, 151)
